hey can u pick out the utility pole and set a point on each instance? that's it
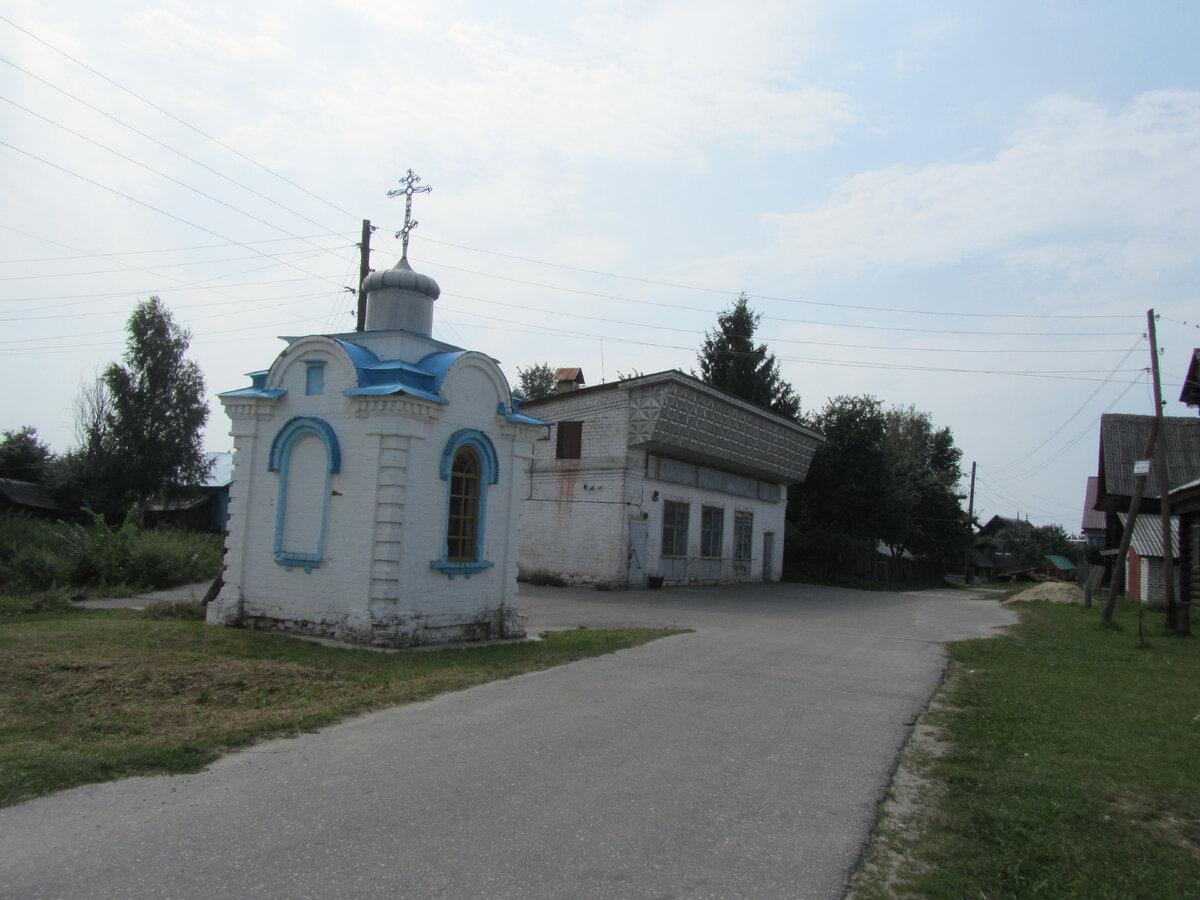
(970, 524)
(364, 269)
(971, 502)
(1163, 477)
(1139, 486)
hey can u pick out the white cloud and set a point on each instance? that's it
(1131, 176)
(211, 33)
(666, 87)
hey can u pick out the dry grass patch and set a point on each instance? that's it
(97, 694)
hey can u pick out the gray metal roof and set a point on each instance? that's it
(1093, 519)
(27, 494)
(1147, 535)
(221, 473)
(1123, 440)
(1191, 382)
(679, 416)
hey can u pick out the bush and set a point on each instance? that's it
(27, 561)
(99, 554)
(38, 556)
(164, 558)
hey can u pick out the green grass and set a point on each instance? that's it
(42, 559)
(90, 695)
(1073, 768)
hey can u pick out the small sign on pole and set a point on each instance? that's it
(1141, 467)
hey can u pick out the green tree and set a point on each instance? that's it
(925, 516)
(88, 473)
(838, 507)
(729, 359)
(1031, 544)
(147, 441)
(535, 382)
(23, 456)
(881, 475)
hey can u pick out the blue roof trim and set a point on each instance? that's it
(515, 416)
(438, 364)
(258, 387)
(254, 392)
(383, 390)
(361, 357)
(378, 378)
(523, 419)
(395, 371)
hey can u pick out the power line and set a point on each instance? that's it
(774, 340)
(176, 118)
(153, 208)
(154, 171)
(1069, 419)
(733, 293)
(85, 255)
(692, 309)
(1066, 375)
(58, 275)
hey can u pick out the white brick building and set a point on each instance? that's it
(660, 477)
(377, 483)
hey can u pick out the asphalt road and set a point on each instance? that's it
(745, 759)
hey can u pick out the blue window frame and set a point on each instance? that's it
(469, 464)
(306, 455)
(314, 377)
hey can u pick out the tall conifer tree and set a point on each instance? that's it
(729, 359)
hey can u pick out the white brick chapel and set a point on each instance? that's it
(378, 476)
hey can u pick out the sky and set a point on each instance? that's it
(964, 208)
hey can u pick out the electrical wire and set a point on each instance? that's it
(153, 208)
(732, 293)
(1069, 419)
(174, 117)
(154, 171)
(529, 327)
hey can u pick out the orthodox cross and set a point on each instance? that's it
(410, 182)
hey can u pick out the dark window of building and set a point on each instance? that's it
(570, 440)
(712, 531)
(675, 528)
(463, 518)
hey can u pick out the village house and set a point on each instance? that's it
(205, 507)
(1185, 502)
(1122, 443)
(1095, 524)
(659, 479)
(377, 483)
(27, 498)
(1144, 565)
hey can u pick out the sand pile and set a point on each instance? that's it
(1053, 591)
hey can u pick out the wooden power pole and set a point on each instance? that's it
(364, 269)
(1156, 449)
(1163, 477)
(1139, 486)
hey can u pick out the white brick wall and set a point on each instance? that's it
(576, 520)
(385, 514)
